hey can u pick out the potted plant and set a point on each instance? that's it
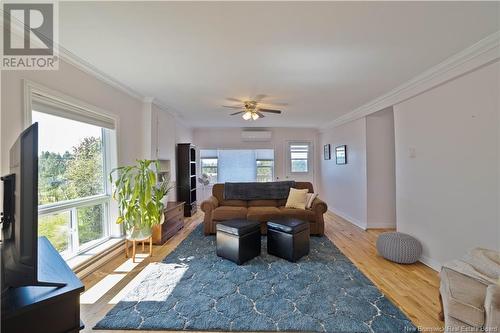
(139, 195)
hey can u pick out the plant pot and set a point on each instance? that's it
(139, 232)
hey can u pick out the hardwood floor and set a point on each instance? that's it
(413, 288)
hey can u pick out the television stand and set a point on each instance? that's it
(50, 284)
(48, 306)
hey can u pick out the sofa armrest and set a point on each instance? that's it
(492, 307)
(319, 206)
(210, 204)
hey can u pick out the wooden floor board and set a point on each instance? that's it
(413, 288)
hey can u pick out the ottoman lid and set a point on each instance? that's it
(288, 225)
(238, 227)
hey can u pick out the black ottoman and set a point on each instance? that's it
(288, 238)
(238, 240)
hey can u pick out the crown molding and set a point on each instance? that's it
(482, 53)
(165, 108)
(67, 56)
(74, 60)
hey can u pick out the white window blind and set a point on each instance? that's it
(59, 108)
(239, 165)
(299, 157)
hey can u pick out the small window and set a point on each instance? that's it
(265, 170)
(299, 157)
(209, 166)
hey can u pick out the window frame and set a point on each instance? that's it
(308, 160)
(32, 91)
(265, 166)
(273, 168)
(216, 167)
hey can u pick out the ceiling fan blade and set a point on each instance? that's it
(276, 103)
(259, 97)
(261, 115)
(234, 114)
(233, 107)
(232, 99)
(270, 111)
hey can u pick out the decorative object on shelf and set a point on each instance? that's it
(399, 247)
(186, 177)
(140, 200)
(341, 154)
(327, 154)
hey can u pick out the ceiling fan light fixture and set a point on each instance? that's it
(247, 115)
(255, 116)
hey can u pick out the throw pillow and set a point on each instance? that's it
(310, 199)
(297, 198)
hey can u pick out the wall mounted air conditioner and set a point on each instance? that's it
(252, 136)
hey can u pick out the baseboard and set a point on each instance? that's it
(430, 263)
(381, 225)
(348, 218)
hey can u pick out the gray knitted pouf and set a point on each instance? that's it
(399, 247)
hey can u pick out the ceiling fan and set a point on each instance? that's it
(250, 109)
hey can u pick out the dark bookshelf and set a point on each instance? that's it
(186, 177)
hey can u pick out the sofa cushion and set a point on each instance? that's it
(310, 198)
(303, 214)
(263, 203)
(304, 185)
(281, 203)
(464, 297)
(297, 198)
(262, 214)
(223, 213)
(218, 192)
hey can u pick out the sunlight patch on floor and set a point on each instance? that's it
(129, 265)
(100, 288)
(168, 274)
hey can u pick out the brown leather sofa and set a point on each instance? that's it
(217, 209)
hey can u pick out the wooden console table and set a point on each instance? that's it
(174, 221)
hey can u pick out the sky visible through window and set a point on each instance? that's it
(59, 135)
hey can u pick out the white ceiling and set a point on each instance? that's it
(324, 58)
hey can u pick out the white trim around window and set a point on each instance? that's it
(58, 104)
(309, 156)
(79, 110)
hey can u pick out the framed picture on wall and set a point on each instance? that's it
(341, 154)
(327, 154)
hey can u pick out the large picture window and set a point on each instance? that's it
(73, 192)
(238, 165)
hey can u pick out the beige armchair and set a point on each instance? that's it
(470, 304)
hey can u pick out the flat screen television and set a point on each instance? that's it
(20, 215)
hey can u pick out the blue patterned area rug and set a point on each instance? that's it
(193, 289)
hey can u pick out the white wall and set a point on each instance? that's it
(448, 188)
(344, 186)
(230, 138)
(165, 132)
(380, 170)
